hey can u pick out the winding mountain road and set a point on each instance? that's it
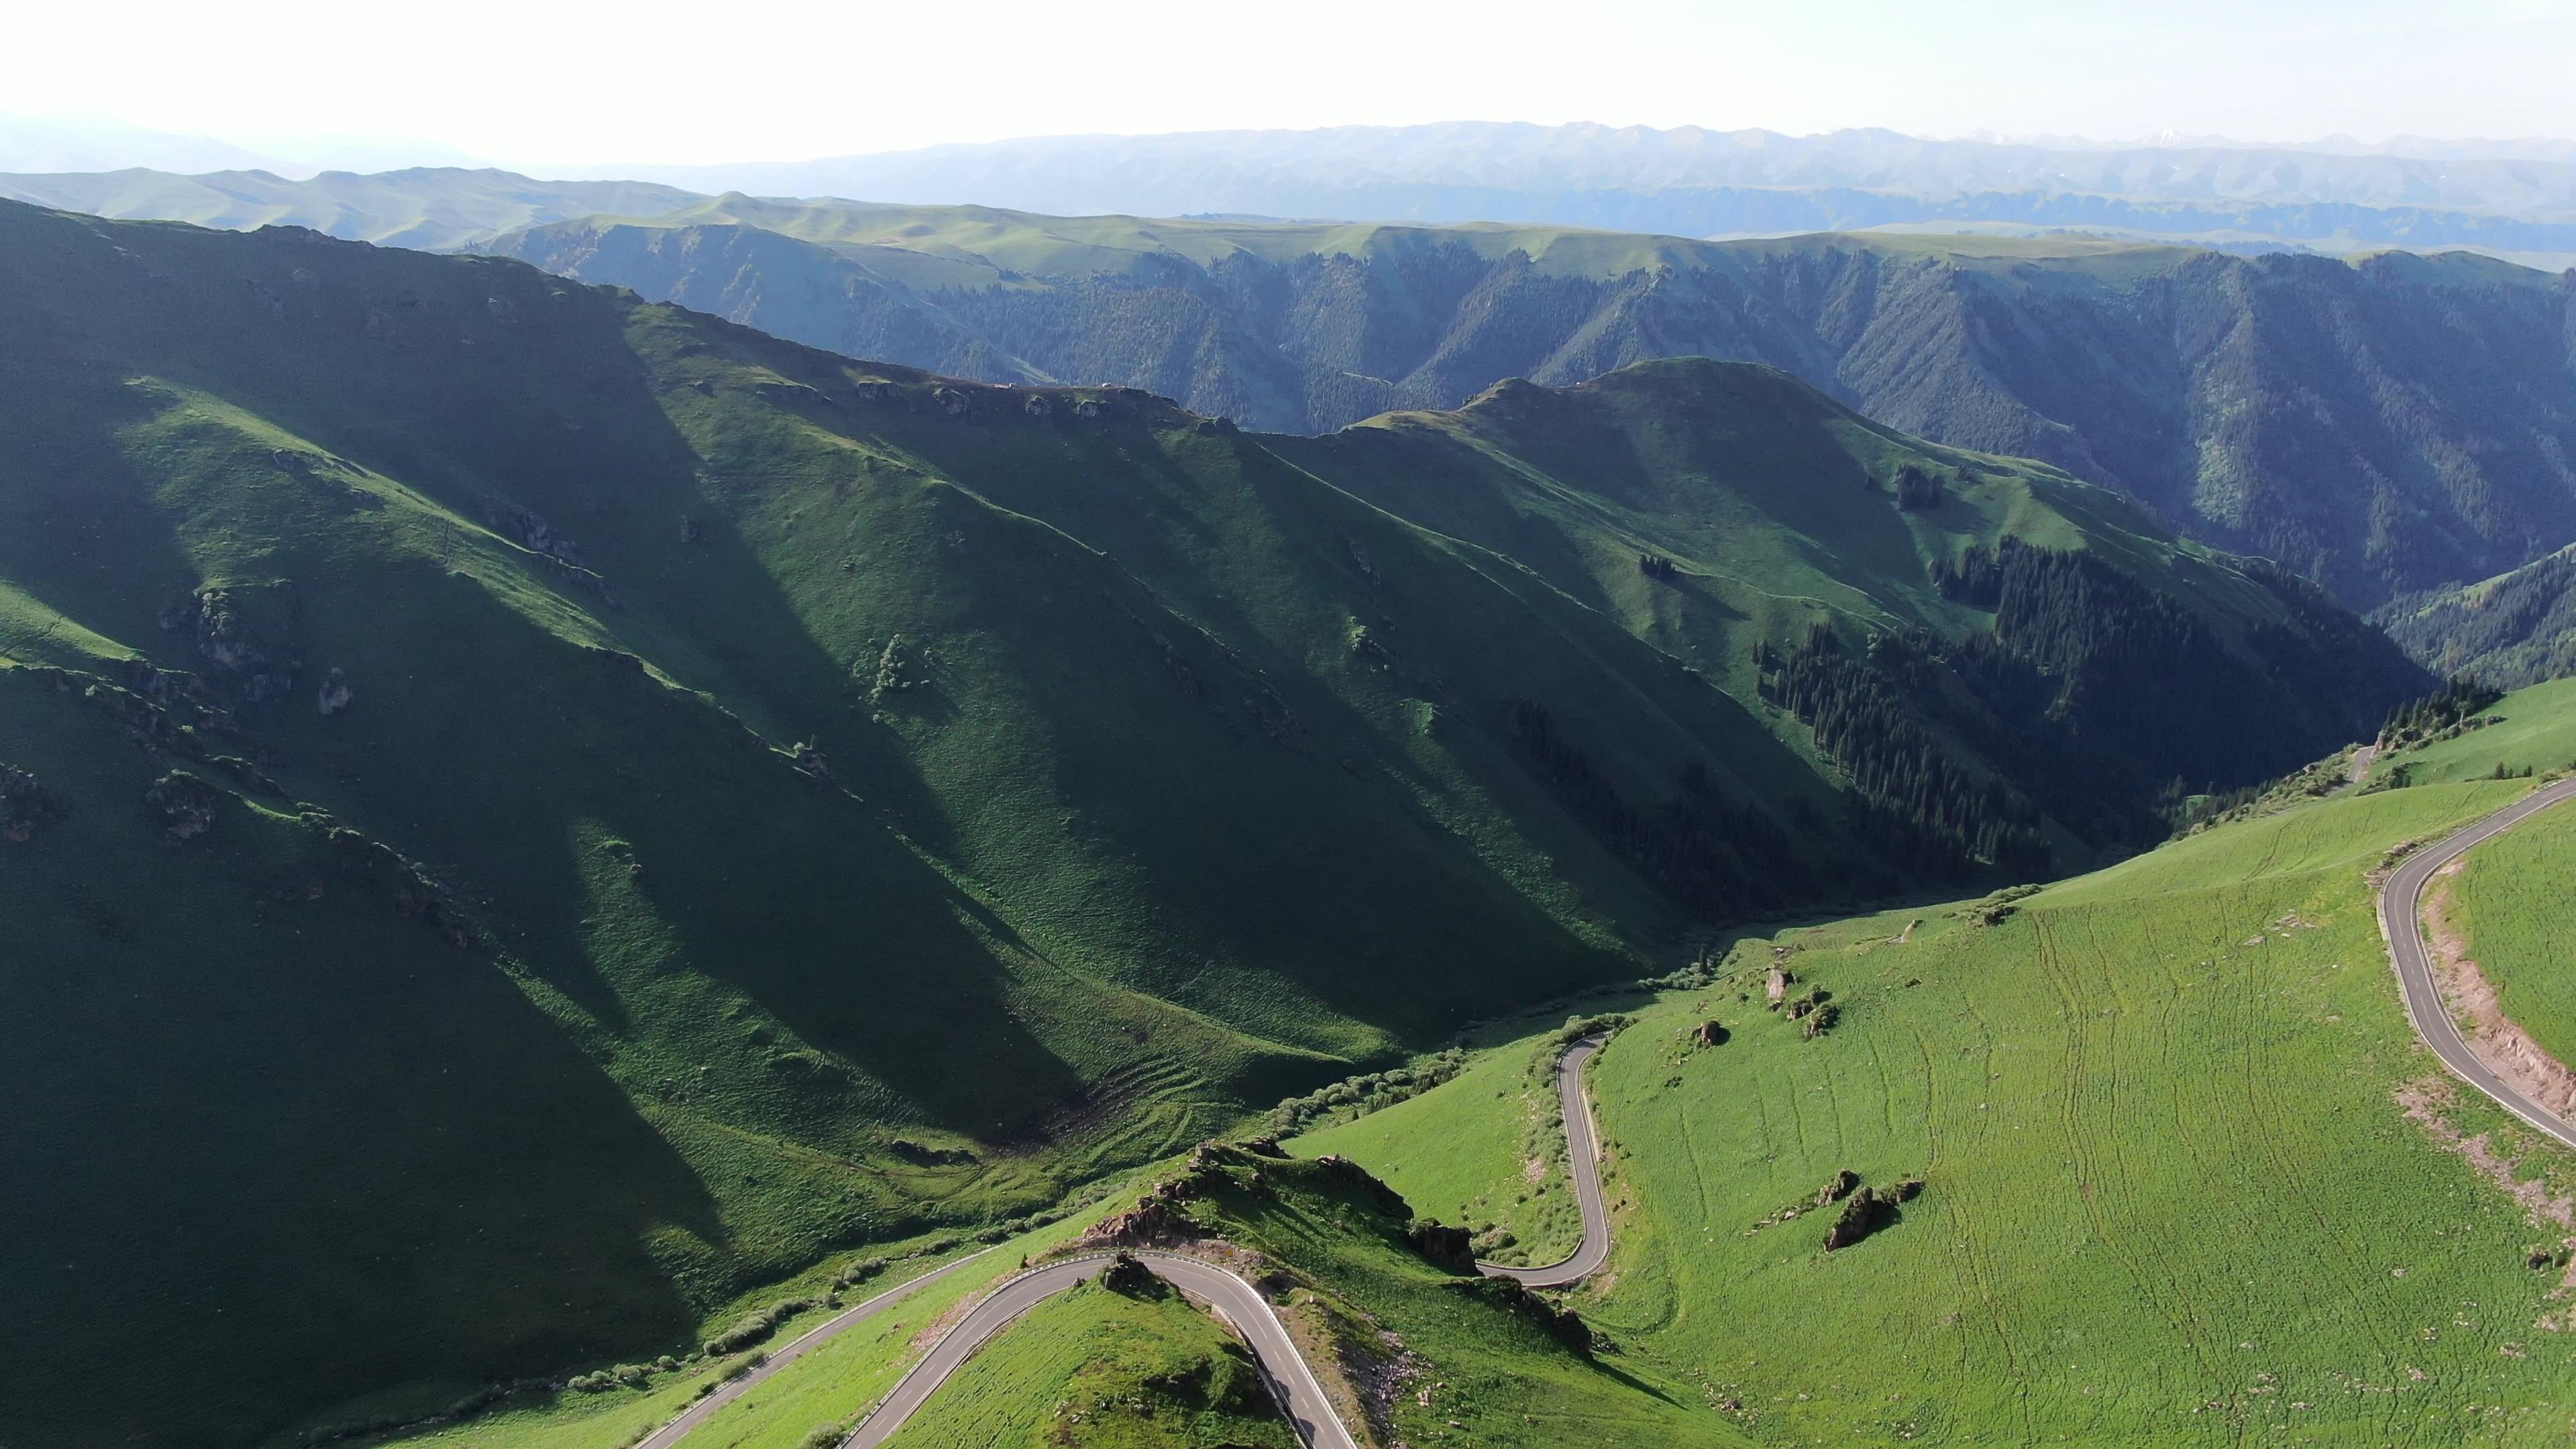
(1583, 1157)
(1291, 1379)
(2401, 918)
(814, 1338)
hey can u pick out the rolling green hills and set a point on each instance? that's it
(2186, 1176)
(2393, 424)
(531, 813)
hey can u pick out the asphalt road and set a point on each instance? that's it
(1583, 1160)
(2401, 914)
(670, 1433)
(1292, 1381)
(1236, 1301)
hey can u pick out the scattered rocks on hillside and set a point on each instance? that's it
(1708, 1034)
(1837, 1187)
(1156, 1222)
(529, 529)
(1868, 1211)
(1384, 1198)
(1443, 1246)
(809, 762)
(252, 672)
(1776, 984)
(25, 805)
(1128, 1277)
(1564, 1324)
(410, 890)
(183, 804)
(336, 695)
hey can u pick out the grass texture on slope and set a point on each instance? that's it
(2534, 729)
(2172, 1194)
(1485, 1151)
(1095, 1367)
(2512, 903)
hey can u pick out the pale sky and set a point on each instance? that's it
(582, 83)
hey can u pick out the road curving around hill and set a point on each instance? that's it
(814, 1338)
(2401, 920)
(1291, 1378)
(1583, 1160)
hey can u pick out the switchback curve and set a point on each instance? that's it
(1291, 1379)
(1583, 1163)
(2401, 920)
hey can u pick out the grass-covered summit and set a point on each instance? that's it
(528, 812)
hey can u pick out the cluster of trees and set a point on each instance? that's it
(1716, 857)
(1915, 805)
(1364, 1094)
(2098, 692)
(2458, 701)
(1918, 487)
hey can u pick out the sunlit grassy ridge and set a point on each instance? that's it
(2170, 1194)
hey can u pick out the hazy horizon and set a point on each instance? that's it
(562, 92)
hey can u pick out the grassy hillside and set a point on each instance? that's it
(1486, 1152)
(1100, 1367)
(2525, 732)
(544, 811)
(2393, 424)
(2512, 907)
(2175, 1185)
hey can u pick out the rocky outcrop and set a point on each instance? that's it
(25, 805)
(248, 669)
(183, 804)
(1443, 1246)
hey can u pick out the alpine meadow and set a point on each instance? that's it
(1138, 751)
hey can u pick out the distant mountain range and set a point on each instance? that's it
(2386, 427)
(1695, 182)
(430, 208)
(2509, 197)
(2389, 426)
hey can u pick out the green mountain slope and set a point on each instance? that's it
(531, 811)
(2392, 424)
(2515, 629)
(2185, 1178)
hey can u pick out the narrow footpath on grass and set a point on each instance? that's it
(1241, 1305)
(2401, 920)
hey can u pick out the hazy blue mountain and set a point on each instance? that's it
(1695, 182)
